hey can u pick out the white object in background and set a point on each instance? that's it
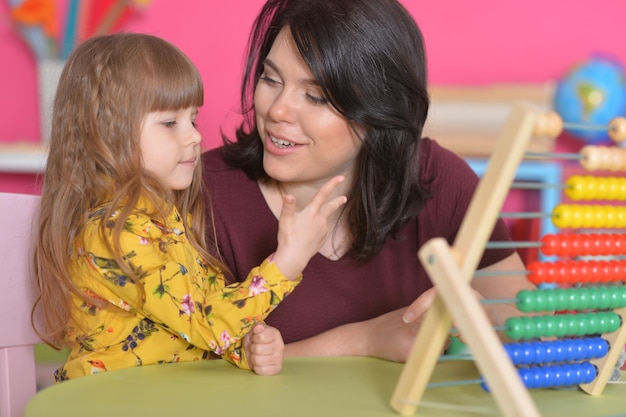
(23, 158)
(468, 119)
(48, 73)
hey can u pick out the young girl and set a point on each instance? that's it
(121, 259)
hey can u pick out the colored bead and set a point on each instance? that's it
(558, 375)
(580, 324)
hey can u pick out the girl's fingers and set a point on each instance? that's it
(332, 206)
(289, 206)
(322, 195)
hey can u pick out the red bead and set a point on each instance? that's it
(550, 245)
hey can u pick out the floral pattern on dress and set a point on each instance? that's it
(185, 311)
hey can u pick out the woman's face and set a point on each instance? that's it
(305, 139)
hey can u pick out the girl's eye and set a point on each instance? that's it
(170, 123)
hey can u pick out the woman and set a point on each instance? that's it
(339, 88)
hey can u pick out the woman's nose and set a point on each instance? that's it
(282, 108)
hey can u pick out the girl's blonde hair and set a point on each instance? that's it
(107, 87)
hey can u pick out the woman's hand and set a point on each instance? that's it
(388, 336)
(264, 348)
(491, 286)
(392, 335)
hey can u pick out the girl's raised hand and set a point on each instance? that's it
(301, 234)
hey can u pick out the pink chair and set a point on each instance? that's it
(17, 294)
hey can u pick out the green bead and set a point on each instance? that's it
(593, 297)
(583, 299)
(529, 328)
(604, 298)
(581, 324)
(550, 301)
(614, 322)
(612, 298)
(542, 326)
(572, 299)
(562, 299)
(560, 325)
(526, 301)
(513, 328)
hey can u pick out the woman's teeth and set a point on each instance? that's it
(282, 143)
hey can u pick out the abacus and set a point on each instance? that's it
(508, 371)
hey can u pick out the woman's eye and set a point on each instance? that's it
(269, 80)
(316, 99)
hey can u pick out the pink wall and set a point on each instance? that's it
(477, 42)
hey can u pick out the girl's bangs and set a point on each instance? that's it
(175, 90)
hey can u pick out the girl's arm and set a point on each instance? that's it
(182, 293)
(186, 295)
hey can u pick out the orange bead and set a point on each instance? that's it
(617, 129)
(620, 159)
(606, 156)
(591, 158)
(615, 159)
(549, 124)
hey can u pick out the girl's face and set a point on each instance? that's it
(170, 146)
(305, 139)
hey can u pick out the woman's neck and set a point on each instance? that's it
(304, 192)
(338, 241)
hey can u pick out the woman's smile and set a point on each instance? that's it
(304, 137)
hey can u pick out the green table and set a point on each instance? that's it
(305, 387)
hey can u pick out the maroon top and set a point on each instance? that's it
(339, 292)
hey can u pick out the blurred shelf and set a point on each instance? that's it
(468, 119)
(23, 158)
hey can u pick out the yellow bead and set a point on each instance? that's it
(584, 217)
(612, 188)
(602, 188)
(561, 216)
(609, 217)
(575, 189)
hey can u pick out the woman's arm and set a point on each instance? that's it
(386, 337)
(391, 335)
(505, 286)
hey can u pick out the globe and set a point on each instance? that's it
(592, 93)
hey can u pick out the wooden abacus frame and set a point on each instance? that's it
(451, 270)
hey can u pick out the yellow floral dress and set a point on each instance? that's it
(188, 312)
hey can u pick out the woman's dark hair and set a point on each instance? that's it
(368, 57)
